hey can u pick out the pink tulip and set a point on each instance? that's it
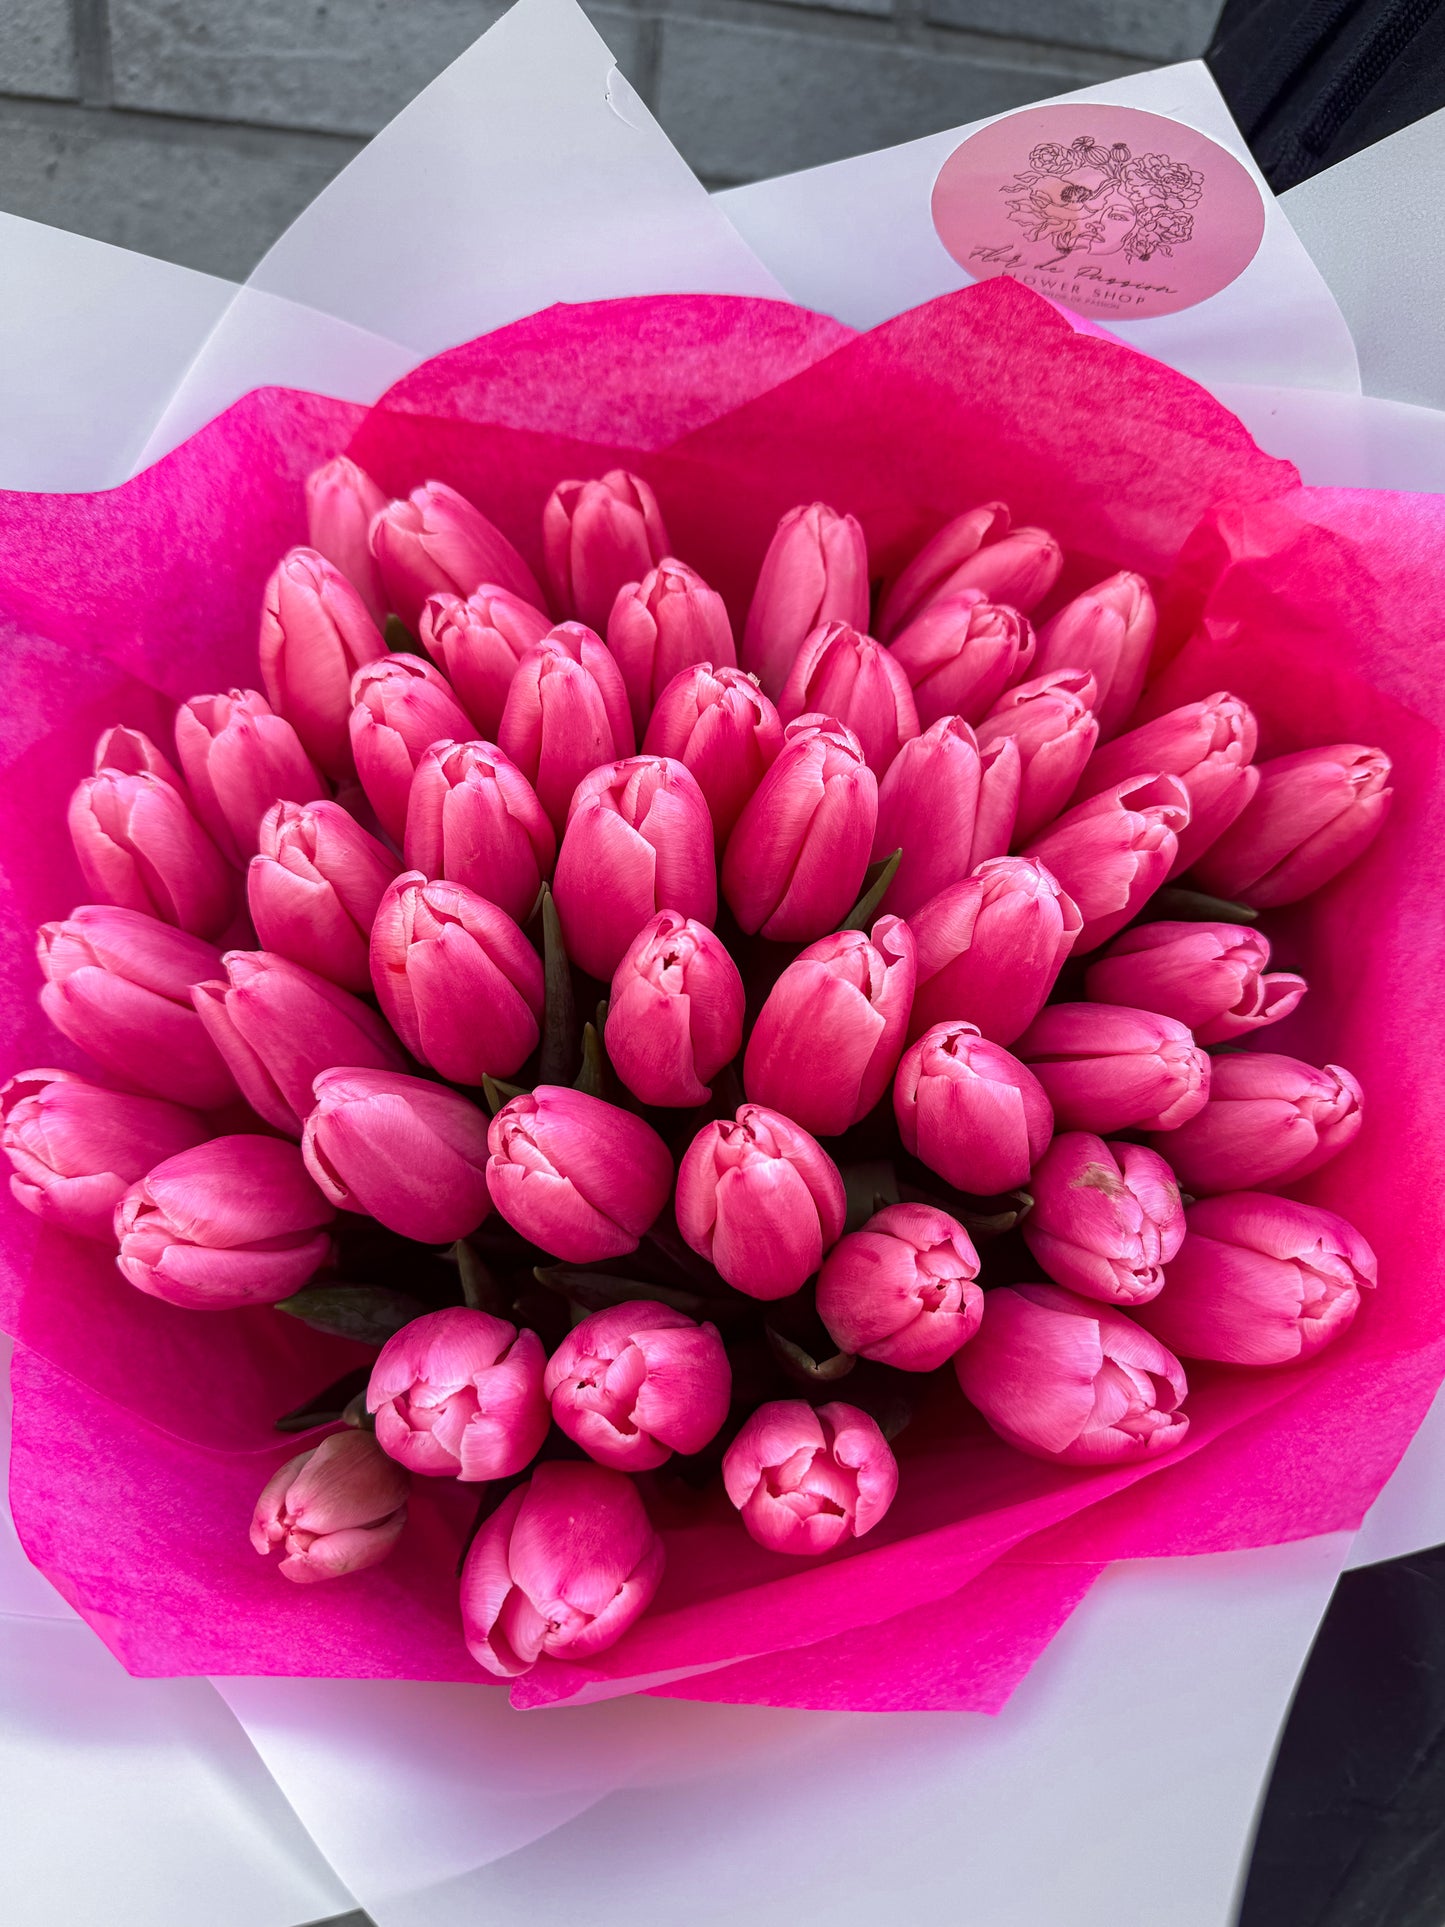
(1107, 1068)
(235, 1221)
(239, 758)
(1109, 630)
(278, 1026)
(456, 980)
(473, 818)
(1269, 1120)
(132, 753)
(1261, 1280)
(336, 1509)
(637, 1382)
(760, 1200)
(970, 1111)
(638, 840)
(1106, 1218)
(597, 536)
(1313, 813)
(815, 571)
(805, 1478)
(794, 864)
(929, 576)
(723, 728)
(1211, 976)
(457, 1394)
(314, 889)
(435, 542)
(1051, 720)
(662, 625)
(400, 706)
(675, 1015)
(316, 632)
(928, 808)
(903, 1290)
(1069, 1379)
(827, 1041)
(1113, 852)
(581, 1178)
(840, 672)
(961, 654)
(402, 1150)
(477, 642)
(77, 1149)
(118, 985)
(560, 1570)
(566, 714)
(342, 502)
(1209, 746)
(138, 845)
(990, 948)
(1000, 773)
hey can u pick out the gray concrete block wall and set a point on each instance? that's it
(196, 129)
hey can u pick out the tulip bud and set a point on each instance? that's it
(235, 1221)
(970, 1111)
(581, 1178)
(675, 1015)
(927, 808)
(827, 1041)
(960, 655)
(139, 846)
(435, 542)
(477, 643)
(314, 889)
(566, 714)
(1113, 852)
(77, 1149)
(1313, 813)
(598, 536)
(561, 1569)
(902, 1290)
(928, 577)
(118, 985)
(638, 840)
(456, 980)
(131, 752)
(760, 1200)
(1106, 1218)
(402, 1150)
(1017, 570)
(805, 1479)
(815, 571)
(1269, 1120)
(336, 1509)
(1109, 630)
(400, 706)
(637, 1382)
(840, 672)
(720, 725)
(662, 625)
(990, 948)
(1107, 1068)
(1209, 746)
(795, 863)
(239, 758)
(1071, 1380)
(1208, 975)
(457, 1394)
(279, 1026)
(342, 502)
(473, 818)
(316, 632)
(1055, 728)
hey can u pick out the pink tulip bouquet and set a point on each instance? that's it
(772, 1006)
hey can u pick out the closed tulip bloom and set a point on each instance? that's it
(456, 980)
(970, 1111)
(637, 1382)
(638, 840)
(597, 536)
(236, 1221)
(903, 1290)
(796, 860)
(118, 985)
(928, 808)
(1107, 1068)
(561, 1569)
(1106, 1218)
(1068, 1379)
(239, 757)
(399, 708)
(840, 672)
(579, 1177)
(402, 1150)
(342, 502)
(928, 577)
(138, 845)
(1112, 853)
(435, 542)
(760, 1200)
(473, 818)
(457, 1394)
(278, 1026)
(991, 947)
(1052, 721)
(132, 753)
(316, 632)
(477, 642)
(805, 1479)
(336, 1509)
(77, 1149)
(720, 725)
(1211, 976)
(1314, 812)
(664, 624)
(566, 714)
(828, 1039)
(314, 888)
(675, 1014)
(1209, 746)
(961, 654)
(1269, 1120)
(815, 571)
(1109, 630)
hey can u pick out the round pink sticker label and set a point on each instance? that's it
(1112, 211)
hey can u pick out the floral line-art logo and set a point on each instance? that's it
(1088, 199)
